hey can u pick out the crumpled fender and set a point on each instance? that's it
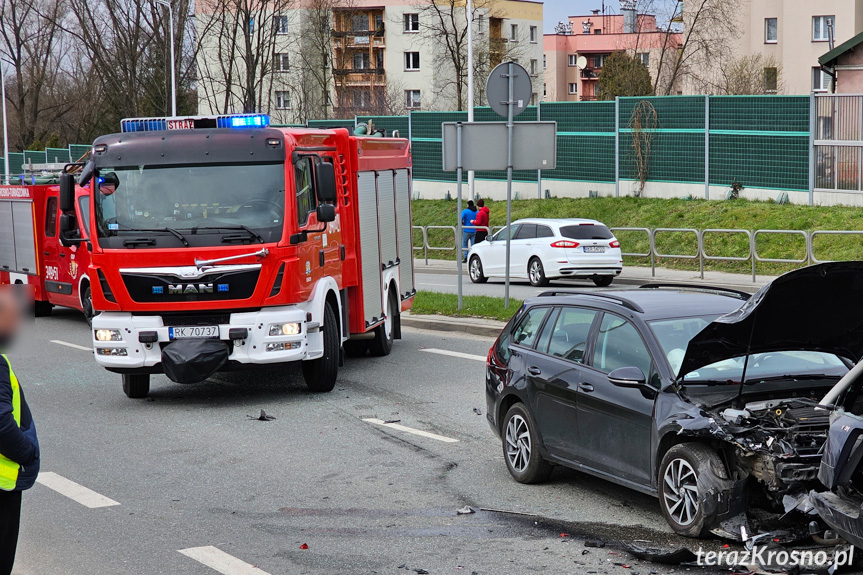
(840, 458)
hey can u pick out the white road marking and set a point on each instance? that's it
(407, 429)
(74, 491)
(72, 345)
(481, 358)
(216, 559)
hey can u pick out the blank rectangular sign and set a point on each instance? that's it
(534, 146)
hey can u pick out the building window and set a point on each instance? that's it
(820, 80)
(412, 22)
(573, 88)
(513, 32)
(283, 100)
(379, 22)
(480, 19)
(573, 60)
(379, 59)
(644, 58)
(360, 23)
(597, 31)
(771, 80)
(282, 62)
(533, 34)
(412, 60)
(771, 27)
(599, 60)
(362, 99)
(533, 64)
(533, 99)
(544, 90)
(281, 23)
(361, 61)
(820, 25)
(412, 99)
(543, 62)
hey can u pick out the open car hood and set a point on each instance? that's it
(817, 308)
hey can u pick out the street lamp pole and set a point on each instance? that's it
(5, 125)
(173, 64)
(470, 174)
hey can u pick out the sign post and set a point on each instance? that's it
(459, 232)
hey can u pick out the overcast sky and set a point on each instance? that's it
(553, 11)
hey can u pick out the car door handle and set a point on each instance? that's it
(534, 370)
(585, 387)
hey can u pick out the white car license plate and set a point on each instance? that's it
(193, 332)
(594, 250)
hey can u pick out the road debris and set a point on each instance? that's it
(477, 411)
(466, 510)
(304, 546)
(263, 417)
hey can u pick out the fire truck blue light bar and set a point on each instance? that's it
(256, 121)
(144, 125)
(194, 122)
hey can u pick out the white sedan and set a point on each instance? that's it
(544, 249)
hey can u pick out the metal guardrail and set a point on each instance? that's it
(701, 252)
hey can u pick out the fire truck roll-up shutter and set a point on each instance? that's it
(370, 248)
(17, 243)
(387, 219)
(403, 218)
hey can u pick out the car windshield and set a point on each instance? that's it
(674, 336)
(586, 232)
(209, 200)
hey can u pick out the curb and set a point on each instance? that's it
(451, 325)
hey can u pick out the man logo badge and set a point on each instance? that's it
(190, 289)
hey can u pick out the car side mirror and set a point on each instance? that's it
(325, 178)
(631, 377)
(67, 193)
(69, 233)
(326, 213)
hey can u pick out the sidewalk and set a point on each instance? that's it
(634, 275)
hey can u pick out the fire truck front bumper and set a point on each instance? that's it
(128, 342)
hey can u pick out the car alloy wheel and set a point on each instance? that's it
(518, 443)
(475, 273)
(681, 493)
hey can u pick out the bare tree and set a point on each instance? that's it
(750, 74)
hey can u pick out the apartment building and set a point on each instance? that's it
(379, 57)
(574, 56)
(794, 34)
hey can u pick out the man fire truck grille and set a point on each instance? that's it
(212, 287)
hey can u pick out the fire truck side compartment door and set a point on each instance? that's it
(370, 248)
(7, 237)
(405, 243)
(17, 243)
(387, 219)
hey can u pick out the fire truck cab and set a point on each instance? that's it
(33, 250)
(222, 243)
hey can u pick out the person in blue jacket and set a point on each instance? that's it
(19, 446)
(468, 232)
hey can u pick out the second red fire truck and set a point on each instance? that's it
(220, 243)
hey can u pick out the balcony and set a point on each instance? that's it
(358, 71)
(379, 33)
(589, 73)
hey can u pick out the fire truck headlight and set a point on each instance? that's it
(108, 335)
(112, 351)
(285, 329)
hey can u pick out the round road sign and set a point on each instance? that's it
(497, 89)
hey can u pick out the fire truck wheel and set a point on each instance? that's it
(43, 308)
(320, 374)
(382, 344)
(136, 386)
(356, 348)
(87, 305)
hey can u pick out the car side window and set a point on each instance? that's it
(305, 190)
(570, 333)
(84, 209)
(526, 232)
(51, 218)
(526, 331)
(502, 234)
(544, 232)
(618, 344)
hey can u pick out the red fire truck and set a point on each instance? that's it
(31, 251)
(220, 243)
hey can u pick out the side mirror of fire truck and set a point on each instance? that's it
(67, 193)
(326, 213)
(325, 176)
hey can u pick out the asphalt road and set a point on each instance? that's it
(447, 282)
(186, 479)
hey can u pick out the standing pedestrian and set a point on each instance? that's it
(481, 221)
(467, 230)
(19, 447)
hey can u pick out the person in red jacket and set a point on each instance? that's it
(481, 220)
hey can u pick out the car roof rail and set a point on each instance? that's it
(627, 303)
(740, 294)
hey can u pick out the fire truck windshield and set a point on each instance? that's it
(208, 204)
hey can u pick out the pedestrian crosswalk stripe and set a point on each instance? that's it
(218, 560)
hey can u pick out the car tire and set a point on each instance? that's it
(320, 374)
(521, 447)
(679, 497)
(475, 271)
(356, 348)
(382, 344)
(136, 385)
(536, 273)
(602, 281)
(43, 308)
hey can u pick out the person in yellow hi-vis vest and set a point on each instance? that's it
(19, 447)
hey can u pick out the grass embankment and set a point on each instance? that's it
(432, 303)
(697, 214)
